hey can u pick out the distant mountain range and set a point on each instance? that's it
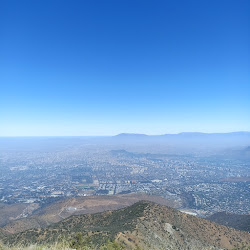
(187, 134)
(188, 140)
(143, 225)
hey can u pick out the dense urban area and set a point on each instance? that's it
(202, 185)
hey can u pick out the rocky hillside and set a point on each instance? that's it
(144, 225)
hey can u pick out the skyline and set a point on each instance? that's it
(104, 68)
(137, 134)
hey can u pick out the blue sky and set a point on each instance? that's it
(107, 67)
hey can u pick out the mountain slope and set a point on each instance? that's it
(237, 221)
(145, 225)
(62, 209)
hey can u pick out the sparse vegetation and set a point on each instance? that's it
(241, 246)
(80, 244)
(144, 224)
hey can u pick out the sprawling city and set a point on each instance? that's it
(199, 184)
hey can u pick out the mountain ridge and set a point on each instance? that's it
(143, 225)
(62, 209)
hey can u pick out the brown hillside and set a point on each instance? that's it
(145, 225)
(79, 205)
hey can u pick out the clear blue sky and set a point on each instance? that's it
(100, 67)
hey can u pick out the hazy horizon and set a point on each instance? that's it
(129, 133)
